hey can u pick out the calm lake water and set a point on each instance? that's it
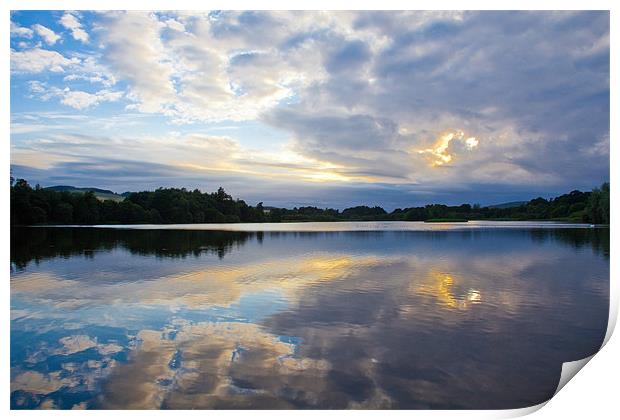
(358, 315)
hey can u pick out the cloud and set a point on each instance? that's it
(440, 153)
(134, 51)
(38, 60)
(386, 84)
(90, 78)
(81, 100)
(358, 145)
(76, 343)
(175, 24)
(49, 36)
(74, 98)
(71, 22)
(440, 74)
(39, 383)
(350, 56)
(217, 76)
(93, 71)
(20, 31)
(363, 97)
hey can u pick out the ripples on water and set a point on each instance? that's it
(434, 317)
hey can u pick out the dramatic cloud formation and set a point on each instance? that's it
(439, 153)
(458, 104)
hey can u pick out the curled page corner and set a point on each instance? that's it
(613, 317)
(570, 369)
(521, 412)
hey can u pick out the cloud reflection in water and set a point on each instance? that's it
(340, 320)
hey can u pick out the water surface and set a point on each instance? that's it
(369, 315)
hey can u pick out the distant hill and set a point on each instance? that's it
(508, 205)
(101, 194)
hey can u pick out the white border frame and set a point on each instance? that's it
(592, 394)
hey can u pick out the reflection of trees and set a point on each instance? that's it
(596, 238)
(36, 244)
(357, 331)
(28, 244)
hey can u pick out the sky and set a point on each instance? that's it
(332, 109)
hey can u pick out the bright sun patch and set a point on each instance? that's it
(440, 154)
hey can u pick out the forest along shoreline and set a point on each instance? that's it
(69, 205)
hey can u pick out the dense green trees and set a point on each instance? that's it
(164, 205)
(361, 212)
(597, 207)
(576, 206)
(178, 205)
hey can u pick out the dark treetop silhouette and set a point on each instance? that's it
(179, 205)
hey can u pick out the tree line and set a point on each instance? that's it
(31, 206)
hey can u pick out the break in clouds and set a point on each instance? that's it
(326, 108)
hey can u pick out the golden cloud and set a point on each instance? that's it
(439, 154)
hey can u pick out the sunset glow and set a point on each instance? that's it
(329, 108)
(440, 155)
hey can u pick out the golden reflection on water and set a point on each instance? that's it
(210, 286)
(227, 364)
(224, 364)
(441, 287)
(216, 355)
(218, 360)
(355, 312)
